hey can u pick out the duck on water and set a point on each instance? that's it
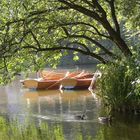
(105, 119)
(82, 116)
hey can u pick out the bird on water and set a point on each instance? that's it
(105, 119)
(82, 116)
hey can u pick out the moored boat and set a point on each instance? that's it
(52, 75)
(73, 80)
(87, 82)
(47, 75)
(41, 84)
(73, 83)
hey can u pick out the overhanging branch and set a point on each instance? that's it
(113, 13)
(86, 24)
(99, 58)
(80, 44)
(83, 10)
(93, 41)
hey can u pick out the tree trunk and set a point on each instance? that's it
(122, 45)
(116, 37)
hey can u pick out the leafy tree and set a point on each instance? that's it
(36, 32)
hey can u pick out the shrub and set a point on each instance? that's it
(119, 87)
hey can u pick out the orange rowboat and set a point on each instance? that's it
(68, 83)
(80, 83)
(47, 75)
(41, 84)
(74, 79)
(73, 83)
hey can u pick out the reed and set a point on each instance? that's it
(119, 88)
(14, 130)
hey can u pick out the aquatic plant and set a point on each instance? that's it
(14, 130)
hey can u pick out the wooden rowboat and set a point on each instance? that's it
(80, 83)
(75, 80)
(47, 75)
(73, 83)
(51, 75)
(40, 84)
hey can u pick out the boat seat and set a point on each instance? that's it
(68, 83)
(30, 83)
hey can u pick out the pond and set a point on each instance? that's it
(62, 107)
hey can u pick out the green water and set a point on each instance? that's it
(60, 108)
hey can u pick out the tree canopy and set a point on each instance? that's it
(36, 32)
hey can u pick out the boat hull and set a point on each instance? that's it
(44, 84)
(73, 80)
(72, 83)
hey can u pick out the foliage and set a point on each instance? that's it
(38, 33)
(120, 84)
(131, 12)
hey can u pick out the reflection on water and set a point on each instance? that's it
(126, 127)
(56, 107)
(61, 106)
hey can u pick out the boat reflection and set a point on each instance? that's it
(58, 105)
(50, 94)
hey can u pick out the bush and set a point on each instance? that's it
(119, 87)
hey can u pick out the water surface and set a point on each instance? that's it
(56, 107)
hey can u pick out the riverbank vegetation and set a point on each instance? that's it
(15, 130)
(119, 87)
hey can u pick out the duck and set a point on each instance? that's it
(81, 117)
(105, 119)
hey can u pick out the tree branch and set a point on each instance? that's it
(34, 37)
(34, 13)
(78, 43)
(99, 58)
(92, 14)
(113, 13)
(79, 23)
(93, 41)
(83, 10)
(89, 3)
(100, 9)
